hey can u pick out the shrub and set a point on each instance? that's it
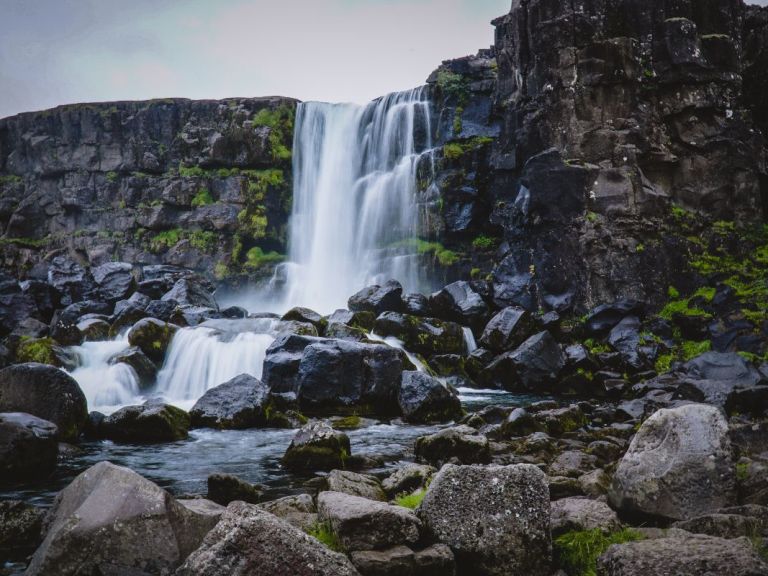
(577, 552)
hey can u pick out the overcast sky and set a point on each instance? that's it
(61, 51)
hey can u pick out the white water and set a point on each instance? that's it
(354, 199)
(469, 340)
(106, 386)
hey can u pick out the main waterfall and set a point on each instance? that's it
(354, 201)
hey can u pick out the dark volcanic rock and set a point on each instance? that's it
(317, 446)
(150, 422)
(239, 403)
(141, 365)
(535, 364)
(378, 299)
(508, 329)
(225, 488)
(461, 303)
(20, 529)
(114, 280)
(152, 337)
(422, 335)
(423, 398)
(29, 447)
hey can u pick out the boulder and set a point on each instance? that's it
(29, 447)
(226, 488)
(535, 364)
(678, 465)
(114, 280)
(625, 339)
(602, 319)
(45, 392)
(145, 369)
(281, 363)
(682, 554)
(378, 299)
(355, 484)
(494, 518)
(423, 398)
(363, 524)
(153, 421)
(317, 446)
(298, 510)
(425, 336)
(20, 529)
(248, 541)
(305, 315)
(238, 403)
(416, 304)
(45, 351)
(407, 479)
(461, 303)
(94, 329)
(508, 329)
(153, 337)
(436, 560)
(110, 520)
(70, 280)
(572, 464)
(191, 293)
(459, 443)
(580, 514)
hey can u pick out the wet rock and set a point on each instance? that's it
(407, 479)
(494, 518)
(416, 304)
(114, 280)
(625, 339)
(678, 465)
(110, 520)
(226, 488)
(152, 337)
(378, 299)
(94, 329)
(299, 510)
(306, 315)
(356, 484)
(508, 329)
(317, 446)
(603, 318)
(281, 364)
(361, 319)
(460, 444)
(153, 421)
(70, 279)
(426, 399)
(582, 514)
(20, 529)
(363, 524)
(296, 327)
(425, 336)
(139, 363)
(192, 293)
(519, 422)
(45, 392)
(127, 317)
(45, 351)
(29, 447)
(461, 303)
(534, 364)
(245, 541)
(239, 403)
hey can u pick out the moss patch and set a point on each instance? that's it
(577, 552)
(323, 532)
(411, 500)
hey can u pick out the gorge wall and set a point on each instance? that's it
(591, 153)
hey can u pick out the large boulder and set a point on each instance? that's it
(460, 444)
(226, 488)
(682, 554)
(461, 303)
(317, 446)
(536, 363)
(494, 518)
(110, 520)
(298, 510)
(508, 329)
(678, 465)
(20, 529)
(423, 398)
(425, 336)
(45, 392)
(191, 293)
(153, 337)
(625, 339)
(349, 482)
(281, 363)
(145, 369)
(603, 318)
(29, 447)
(363, 524)
(248, 541)
(153, 421)
(378, 299)
(238, 403)
(407, 479)
(579, 514)
(114, 280)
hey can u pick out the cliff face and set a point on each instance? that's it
(191, 183)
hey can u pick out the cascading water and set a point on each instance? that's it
(354, 203)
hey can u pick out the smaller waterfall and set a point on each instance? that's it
(106, 386)
(469, 340)
(199, 359)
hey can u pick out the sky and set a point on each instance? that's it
(62, 51)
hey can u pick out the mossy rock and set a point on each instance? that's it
(45, 351)
(317, 446)
(150, 422)
(153, 337)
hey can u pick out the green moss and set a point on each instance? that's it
(202, 198)
(475, 273)
(191, 171)
(742, 471)
(690, 349)
(10, 179)
(347, 422)
(673, 293)
(165, 239)
(452, 85)
(458, 148)
(26, 242)
(280, 124)
(595, 347)
(577, 552)
(111, 176)
(221, 271)
(324, 533)
(444, 256)
(483, 242)
(681, 307)
(458, 124)
(256, 258)
(706, 293)
(203, 241)
(411, 500)
(37, 350)
(592, 217)
(453, 151)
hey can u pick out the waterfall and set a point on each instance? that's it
(355, 215)
(200, 358)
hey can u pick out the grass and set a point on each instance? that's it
(683, 308)
(256, 258)
(280, 124)
(191, 171)
(483, 242)
(324, 533)
(577, 552)
(202, 198)
(411, 500)
(203, 240)
(444, 256)
(165, 239)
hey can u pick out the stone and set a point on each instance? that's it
(459, 443)
(494, 518)
(569, 514)
(153, 337)
(20, 529)
(682, 555)
(423, 398)
(143, 367)
(249, 541)
(226, 488)
(153, 421)
(348, 482)
(407, 479)
(625, 339)
(461, 303)
(45, 392)
(378, 299)
(603, 318)
(236, 404)
(426, 336)
(572, 463)
(363, 524)
(317, 446)
(114, 280)
(29, 447)
(306, 315)
(298, 510)
(507, 329)
(533, 365)
(436, 560)
(724, 525)
(110, 520)
(94, 329)
(191, 293)
(678, 465)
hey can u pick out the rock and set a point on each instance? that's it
(281, 363)
(361, 319)
(425, 336)
(682, 555)
(426, 399)
(127, 317)
(299, 510)
(45, 392)
(378, 299)
(416, 304)
(145, 370)
(153, 421)
(407, 479)
(534, 364)
(239, 403)
(226, 488)
(508, 329)
(114, 280)
(582, 514)
(462, 443)
(248, 541)
(595, 484)
(572, 463)
(356, 484)
(437, 560)
(94, 329)
(461, 303)
(518, 423)
(45, 351)
(20, 529)
(317, 446)
(603, 318)
(494, 518)
(29, 447)
(69, 279)
(152, 337)
(724, 525)
(678, 465)
(110, 520)
(306, 315)
(191, 293)
(625, 339)
(559, 421)
(363, 524)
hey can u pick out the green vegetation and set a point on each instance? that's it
(595, 347)
(111, 176)
(165, 239)
(280, 124)
(256, 258)
(742, 471)
(203, 240)
(411, 500)
(347, 422)
(26, 242)
(483, 242)
(683, 308)
(458, 123)
(202, 198)
(577, 552)
(452, 85)
(592, 217)
(36, 350)
(191, 171)
(324, 533)
(456, 149)
(10, 179)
